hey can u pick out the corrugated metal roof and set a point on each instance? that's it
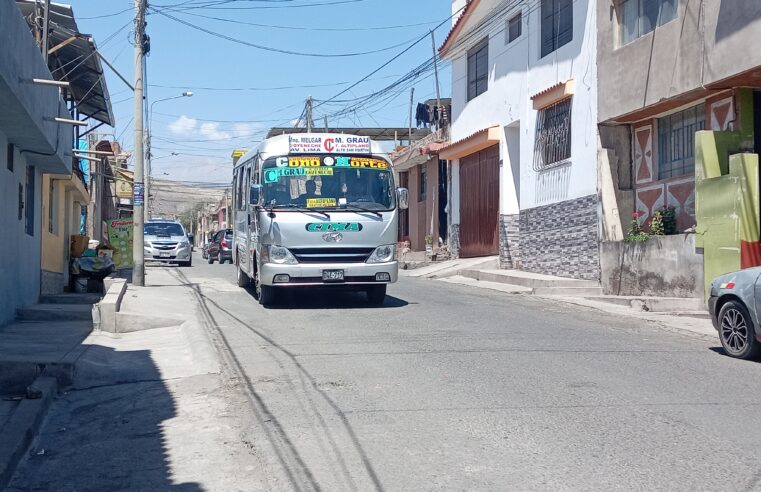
(76, 62)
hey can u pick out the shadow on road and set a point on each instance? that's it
(108, 431)
(327, 298)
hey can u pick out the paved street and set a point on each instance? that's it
(454, 387)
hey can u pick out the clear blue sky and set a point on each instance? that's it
(188, 58)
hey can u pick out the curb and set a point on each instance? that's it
(24, 424)
(110, 305)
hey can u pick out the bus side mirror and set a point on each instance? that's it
(255, 196)
(403, 197)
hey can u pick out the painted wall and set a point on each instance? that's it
(38, 142)
(516, 73)
(52, 242)
(26, 106)
(20, 261)
(727, 204)
(666, 62)
(69, 196)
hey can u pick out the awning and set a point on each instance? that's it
(74, 59)
(472, 144)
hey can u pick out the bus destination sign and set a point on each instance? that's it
(321, 144)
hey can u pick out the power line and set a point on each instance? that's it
(320, 29)
(271, 49)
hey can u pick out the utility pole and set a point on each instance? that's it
(438, 111)
(412, 99)
(436, 73)
(138, 198)
(309, 114)
(147, 209)
(45, 30)
(326, 123)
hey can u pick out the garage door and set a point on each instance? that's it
(479, 203)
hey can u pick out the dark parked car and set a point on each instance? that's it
(221, 247)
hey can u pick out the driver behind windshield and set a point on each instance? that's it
(311, 192)
(358, 192)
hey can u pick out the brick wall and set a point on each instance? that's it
(509, 241)
(561, 239)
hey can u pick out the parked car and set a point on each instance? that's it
(221, 247)
(167, 242)
(734, 303)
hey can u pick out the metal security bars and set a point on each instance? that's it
(553, 135)
(676, 141)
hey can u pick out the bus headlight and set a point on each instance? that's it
(383, 254)
(277, 254)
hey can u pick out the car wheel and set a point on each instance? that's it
(736, 331)
(210, 260)
(376, 294)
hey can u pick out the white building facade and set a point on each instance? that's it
(524, 151)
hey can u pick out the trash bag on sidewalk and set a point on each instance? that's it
(98, 267)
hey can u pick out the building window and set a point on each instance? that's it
(676, 142)
(514, 28)
(10, 156)
(478, 69)
(29, 205)
(553, 135)
(557, 24)
(423, 181)
(639, 17)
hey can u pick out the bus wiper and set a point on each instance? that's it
(298, 209)
(363, 209)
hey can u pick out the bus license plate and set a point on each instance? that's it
(332, 275)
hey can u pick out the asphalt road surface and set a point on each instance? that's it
(450, 387)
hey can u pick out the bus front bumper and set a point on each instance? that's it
(311, 274)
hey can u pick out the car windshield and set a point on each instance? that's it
(163, 229)
(328, 182)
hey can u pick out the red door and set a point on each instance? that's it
(479, 203)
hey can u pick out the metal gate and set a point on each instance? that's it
(479, 203)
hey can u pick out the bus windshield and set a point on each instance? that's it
(328, 182)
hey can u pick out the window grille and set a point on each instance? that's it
(676, 141)
(553, 135)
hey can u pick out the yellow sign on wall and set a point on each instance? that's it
(124, 181)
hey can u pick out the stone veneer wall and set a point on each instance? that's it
(509, 241)
(453, 241)
(562, 239)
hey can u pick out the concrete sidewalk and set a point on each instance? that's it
(143, 406)
(688, 322)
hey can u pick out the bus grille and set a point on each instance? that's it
(332, 255)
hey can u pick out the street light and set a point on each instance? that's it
(147, 209)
